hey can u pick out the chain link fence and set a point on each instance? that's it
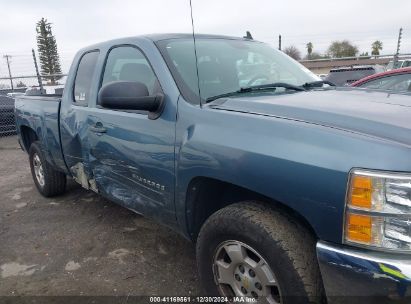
(7, 119)
(18, 76)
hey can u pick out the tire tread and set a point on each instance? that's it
(55, 181)
(294, 239)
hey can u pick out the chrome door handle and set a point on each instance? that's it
(98, 128)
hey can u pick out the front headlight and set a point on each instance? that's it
(378, 210)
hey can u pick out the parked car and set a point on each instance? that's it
(398, 80)
(403, 63)
(346, 75)
(7, 119)
(14, 94)
(292, 192)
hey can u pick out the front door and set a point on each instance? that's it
(131, 156)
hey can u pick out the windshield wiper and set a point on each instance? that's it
(212, 98)
(262, 87)
(317, 84)
(274, 85)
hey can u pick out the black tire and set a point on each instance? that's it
(54, 181)
(282, 242)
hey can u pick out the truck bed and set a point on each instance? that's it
(41, 114)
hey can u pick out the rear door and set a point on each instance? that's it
(74, 114)
(131, 156)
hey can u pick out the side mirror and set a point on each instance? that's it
(128, 95)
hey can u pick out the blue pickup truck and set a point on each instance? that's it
(294, 191)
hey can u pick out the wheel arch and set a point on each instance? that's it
(28, 136)
(207, 195)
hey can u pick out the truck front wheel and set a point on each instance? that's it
(48, 181)
(250, 250)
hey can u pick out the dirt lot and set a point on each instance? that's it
(81, 244)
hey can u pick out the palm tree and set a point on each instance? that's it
(376, 47)
(309, 47)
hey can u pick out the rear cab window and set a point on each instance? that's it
(84, 78)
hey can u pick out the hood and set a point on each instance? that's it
(383, 115)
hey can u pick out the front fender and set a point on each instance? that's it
(301, 165)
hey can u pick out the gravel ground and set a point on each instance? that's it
(82, 244)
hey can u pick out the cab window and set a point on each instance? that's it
(127, 63)
(84, 77)
(398, 83)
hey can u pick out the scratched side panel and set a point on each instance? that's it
(133, 161)
(75, 142)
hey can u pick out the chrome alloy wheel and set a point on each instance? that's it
(240, 271)
(38, 169)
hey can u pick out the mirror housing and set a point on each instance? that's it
(130, 95)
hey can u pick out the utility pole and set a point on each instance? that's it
(37, 71)
(279, 42)
(398, 47)
(8, 65)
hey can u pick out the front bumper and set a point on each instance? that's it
(364, 276)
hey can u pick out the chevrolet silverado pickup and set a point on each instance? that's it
(293, 191)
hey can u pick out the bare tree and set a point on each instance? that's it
(293, 52)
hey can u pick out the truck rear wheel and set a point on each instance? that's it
(48, 181)
(248, 250)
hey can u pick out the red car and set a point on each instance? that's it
(398, 80)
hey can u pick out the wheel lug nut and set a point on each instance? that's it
(258, 286)
(251, 273)
(241, 267)
(254, 294)
(237, 277)
(243, 290)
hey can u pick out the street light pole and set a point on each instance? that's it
(37, 71)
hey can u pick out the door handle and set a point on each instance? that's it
(98, 128)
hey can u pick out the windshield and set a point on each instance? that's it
(226, 65)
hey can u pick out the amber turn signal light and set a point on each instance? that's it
(358, 228)
(361, 192)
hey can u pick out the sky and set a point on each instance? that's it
(78, 23)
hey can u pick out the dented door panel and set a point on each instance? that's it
(132, 162)
(75, 120)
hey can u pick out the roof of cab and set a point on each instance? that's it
(159, 37)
